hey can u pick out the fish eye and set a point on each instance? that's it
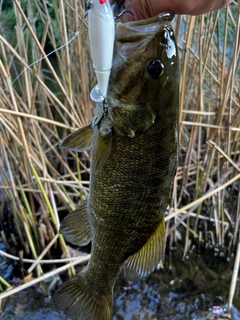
(155, 69)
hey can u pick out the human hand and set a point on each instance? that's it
(143, 9)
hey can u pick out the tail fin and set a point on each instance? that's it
(78, 301)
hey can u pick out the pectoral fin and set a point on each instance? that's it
(102, 145)
(102, 150)
(79, 140)
(75, 227)
(142, 263)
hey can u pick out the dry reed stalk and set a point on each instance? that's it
(44, 277)
(204, 89)
(27, 150)
(234, 277)
(210, 105)
(41, 261)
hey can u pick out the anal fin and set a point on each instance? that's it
(75, 227)
(143, 262)
(79, 140)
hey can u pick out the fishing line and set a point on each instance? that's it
(125, 5)
(44, 57)
(125, 10)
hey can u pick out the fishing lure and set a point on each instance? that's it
(101, 32)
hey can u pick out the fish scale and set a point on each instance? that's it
(134, 142)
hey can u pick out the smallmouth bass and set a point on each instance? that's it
(134, 143)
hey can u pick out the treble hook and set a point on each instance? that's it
(125, 5)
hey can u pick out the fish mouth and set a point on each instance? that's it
(133, 37)
(141, 28)
(166, 16)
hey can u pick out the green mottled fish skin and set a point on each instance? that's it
(131, 189)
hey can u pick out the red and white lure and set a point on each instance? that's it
(101, 32)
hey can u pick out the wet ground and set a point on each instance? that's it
(196, 288)
(141, 302)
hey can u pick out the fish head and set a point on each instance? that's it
(145, 61)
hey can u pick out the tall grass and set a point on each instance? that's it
(209, 129)
(39, 181)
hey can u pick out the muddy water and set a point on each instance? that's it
(189, 290)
